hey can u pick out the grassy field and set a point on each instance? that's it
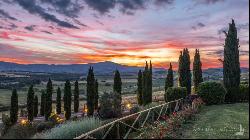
(129, 87)
(105, 85)
(219, 122)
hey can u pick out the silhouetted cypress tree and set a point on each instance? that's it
(146, 84)
(180, 70)
(197, 70)
(43, 102)
(67, 100)
(184, 71)
(30, 103)
(139, 88)
(96, 94)
(76, 97)
(117, 82)
(35, 106)
(14, 107)
(150, 80)
(58, 101)
(117, 93)
(90, 91)
(231, 64)
(48, 106)
(170, 78)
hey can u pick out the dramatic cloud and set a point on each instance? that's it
(122, 31)
(207, 1)
(4, 15)
(163, 2)
(125, 6)
(70, 8)
(30, 28)
(198, 26)
(102, 6)
(128, 6)
(33, 8)
(47, 32)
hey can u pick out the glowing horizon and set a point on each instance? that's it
(125, 32)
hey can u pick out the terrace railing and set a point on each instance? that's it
(123, 127)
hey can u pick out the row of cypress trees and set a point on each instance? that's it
(32, 105)
(144, 81)
(144, 85)
(184, 71)
(231, 66)
(46, 99)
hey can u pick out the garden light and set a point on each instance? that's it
(24, 122)
(85, 109)
(128, 105)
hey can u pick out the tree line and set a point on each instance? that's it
(46, 98)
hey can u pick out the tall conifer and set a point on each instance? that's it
(96, 94)
(76, 97)
(231, 64)
(91, 92)
(35, 106)
(67, 100)
(117, 93)
(197, 70)
(30, 103)
(170, 78)
(14, 107)
(48, 105)
(58, 101)
(184, 70)
(43, 102)
(139, 88)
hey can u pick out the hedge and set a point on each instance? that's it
(212, 92)
(174, 93)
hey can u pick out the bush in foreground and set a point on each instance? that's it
(244, 93)
(106, 106)
(18, 131)
(174, 93)
(212, 92)
(169, 127)
(71, 129)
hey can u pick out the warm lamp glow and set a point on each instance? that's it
(24, 122)
(85, 109)
(128, 105)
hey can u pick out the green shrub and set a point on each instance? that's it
(72, 129)
(212, 92)
(244, 92)
(174, 93)
(6, 123)
(106, 106)
(44, 126)
(6, 120)
(134, 109)
(20, 132)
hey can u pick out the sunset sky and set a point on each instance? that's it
(122, 31)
